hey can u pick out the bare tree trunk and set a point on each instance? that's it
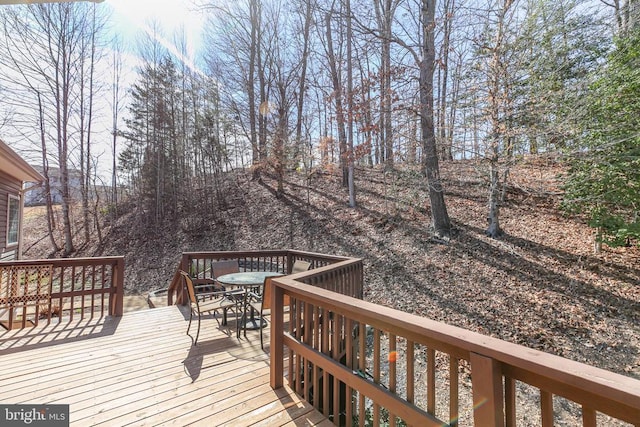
(303, 77)
(385, 11)
(444, 142)
(440, 217)
(497, 103)
(280, 137)
(413, 140)
(262, 82)
(251, 88)
(367, 121)
(62, 89)
(88, 168)
(350, 148)
(115, 111)
(337, 92)
(51, 223)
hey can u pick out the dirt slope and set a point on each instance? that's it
(540, 285)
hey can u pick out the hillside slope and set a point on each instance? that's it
(540, 285)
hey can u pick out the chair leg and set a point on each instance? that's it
(261, 341)
(239, 325)
(261, 328)
(197, 333)
(248, 314)
(190, 317)
(243, 323)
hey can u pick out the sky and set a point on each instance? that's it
(130, 17)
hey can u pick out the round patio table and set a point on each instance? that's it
(248, 280)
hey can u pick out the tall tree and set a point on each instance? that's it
(338, 92)
(241, 70)
(385, 14)
(350, 146)
(46, 46)
(445, 142)
(307, 21)
(87, 66)
(439, 215)
(498, 100)
(116, 108)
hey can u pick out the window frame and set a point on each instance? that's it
(12, 199)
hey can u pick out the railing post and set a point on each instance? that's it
(276, 340)
(488, 396)
(117, 305)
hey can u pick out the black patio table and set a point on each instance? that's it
(250, 280)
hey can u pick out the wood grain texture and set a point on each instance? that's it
(141, 369)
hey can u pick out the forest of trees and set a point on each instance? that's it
(338, 85)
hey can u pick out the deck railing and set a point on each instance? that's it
(78, 288)
(364, 364)
(348, 281)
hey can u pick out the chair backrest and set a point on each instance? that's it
(190, 289)
(266, 295)
(299, 266)
(218, 268)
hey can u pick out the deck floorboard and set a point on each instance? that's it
(141, 370)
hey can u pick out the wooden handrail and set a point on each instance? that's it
(329, 356)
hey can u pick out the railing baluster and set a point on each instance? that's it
(336, 335)
(83, 275)
(510, 401)
(362, 366)
(73, 288)
(292, 308)
(410, 373)
(431, 381)
(546, 408)
(104, 298)
(308, 339)
(453, 391)
(326, 351)
(298, 358)
(392, 358)
(589, 418)
(317, 346)
(348, 341)
(376, 372)
(23, 279)
(61, 290)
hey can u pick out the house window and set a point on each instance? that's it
(13, 220)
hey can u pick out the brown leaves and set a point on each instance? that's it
(539, 286)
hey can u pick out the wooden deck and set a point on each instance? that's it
(141, 370)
